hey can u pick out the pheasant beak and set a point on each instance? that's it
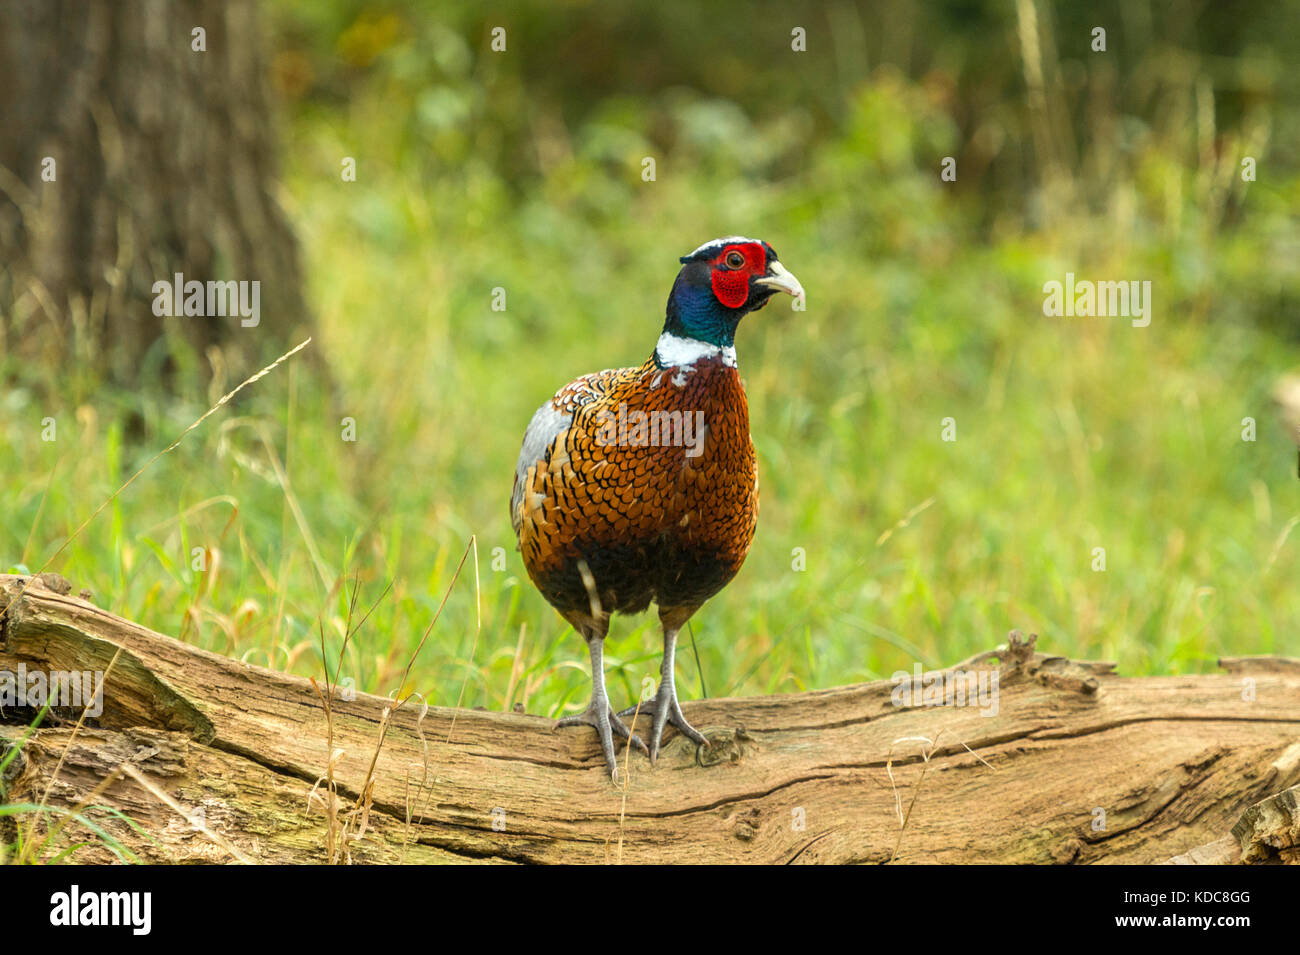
(780, 279)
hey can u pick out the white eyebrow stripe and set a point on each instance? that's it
(719, 243)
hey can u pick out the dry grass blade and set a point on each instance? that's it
(45, 796)
(172, 804)
(589, 582)
(478, 629)
(221, 402)
(926, 753)
(340, 825)
(624, 781)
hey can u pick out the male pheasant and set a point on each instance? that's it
(639, 484)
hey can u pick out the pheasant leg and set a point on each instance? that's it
(663, 708)
(598, 713)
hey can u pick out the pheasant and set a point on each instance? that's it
(639, 484)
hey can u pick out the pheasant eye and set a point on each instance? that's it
(735, 260)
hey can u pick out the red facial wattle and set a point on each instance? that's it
(731, 286)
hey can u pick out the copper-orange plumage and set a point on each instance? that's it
(639, 484)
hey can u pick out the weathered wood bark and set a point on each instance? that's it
(1268, 831)
(162, 160)
(1077, 765)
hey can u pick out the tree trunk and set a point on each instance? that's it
(218, 760)
(128, 156)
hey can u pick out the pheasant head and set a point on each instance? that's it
(721, 282)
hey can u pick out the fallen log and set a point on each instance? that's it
(215, 760)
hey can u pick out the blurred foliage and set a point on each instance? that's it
(522, 170)
(706, 78)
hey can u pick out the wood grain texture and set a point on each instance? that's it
(1172, 761)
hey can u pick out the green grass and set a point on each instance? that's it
(1072, 434)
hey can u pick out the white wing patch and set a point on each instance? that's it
(542, 430)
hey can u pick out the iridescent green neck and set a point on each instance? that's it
(695, 313)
